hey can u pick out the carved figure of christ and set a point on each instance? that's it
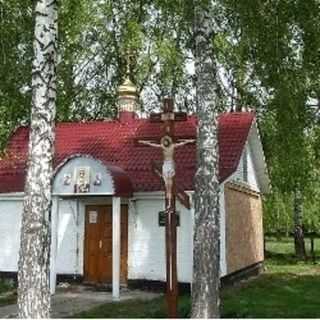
(168, 168)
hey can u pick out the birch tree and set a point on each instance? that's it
(206, 256)
(33, 266)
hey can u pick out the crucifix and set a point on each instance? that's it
(168, 173)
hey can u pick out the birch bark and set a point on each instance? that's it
(206, 256)
(33, 265)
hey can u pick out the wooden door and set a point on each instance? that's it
(98, 244)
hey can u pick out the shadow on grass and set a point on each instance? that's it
(136, 309)
(278, 295)
(269, 296)
(281, 258)
(10, 299)
(288, 288)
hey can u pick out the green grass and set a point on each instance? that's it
(291, 291)
(136, 309)
(10, 299)
(7, 287)
(286, 246)
(287, 289)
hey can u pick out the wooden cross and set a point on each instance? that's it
(168, 117)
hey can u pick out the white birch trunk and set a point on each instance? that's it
(33, 266)
(206, 252)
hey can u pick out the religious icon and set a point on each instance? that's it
(82, 180)
(98, 180)
(168, 167)
(67, 179)
(169, 117)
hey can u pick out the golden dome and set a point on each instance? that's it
(127, 88)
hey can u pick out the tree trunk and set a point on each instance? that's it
(33, 266)
(206, 255)
(299, 243)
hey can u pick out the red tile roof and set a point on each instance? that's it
(115, 143)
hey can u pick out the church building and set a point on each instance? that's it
(108, 205)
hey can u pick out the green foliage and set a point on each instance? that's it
(6, 285)
(15, 64)
(274, 45)
(93, 54)
(278, 213)
(95, 37)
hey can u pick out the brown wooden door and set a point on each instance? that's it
(98, 244)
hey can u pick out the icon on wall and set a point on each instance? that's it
(82, 180)
(67, 179)
(98, 179)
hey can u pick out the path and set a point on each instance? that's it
(73, 300)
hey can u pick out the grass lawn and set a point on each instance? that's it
(287, 289)
(11, 299)
(5, 299)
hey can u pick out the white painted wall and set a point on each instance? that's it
(70, 238)
(146, 239)
(238, 175)
(10, 223)
(146, 252)
(252, 181)
(95, 168)
(71, 233)
(252, 175)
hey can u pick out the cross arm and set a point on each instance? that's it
(151, 144)
(184, 142)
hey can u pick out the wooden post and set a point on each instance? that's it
(171, 259)
(171, 225)
(168, 117)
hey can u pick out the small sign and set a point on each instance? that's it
(93, 217)
(162, 218)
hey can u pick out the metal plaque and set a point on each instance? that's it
(162, 218)
(93, 217)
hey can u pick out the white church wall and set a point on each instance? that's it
(70, 238)
(10, 217)
(95, 169)
(238, 174)
(71, 234)
(146, 252)
(246, 163)
(252, 176)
